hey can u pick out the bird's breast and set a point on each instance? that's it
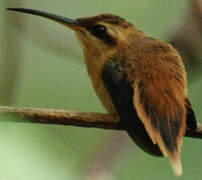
(94, 67)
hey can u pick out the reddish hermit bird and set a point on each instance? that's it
(140, 80)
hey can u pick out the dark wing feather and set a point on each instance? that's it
(191, 119)
(121, 92)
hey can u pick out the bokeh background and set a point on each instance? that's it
(41, 65)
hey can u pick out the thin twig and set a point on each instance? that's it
(67, 117)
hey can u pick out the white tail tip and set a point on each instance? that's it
(176, 164)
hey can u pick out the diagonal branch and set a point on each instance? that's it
(72, 118)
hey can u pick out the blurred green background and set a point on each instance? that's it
(41, 65)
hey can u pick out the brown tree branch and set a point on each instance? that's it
(67, 117)
(62, 117)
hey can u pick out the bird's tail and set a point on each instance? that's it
(165, 121)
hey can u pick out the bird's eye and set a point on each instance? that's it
(100, 29)
(101, 33)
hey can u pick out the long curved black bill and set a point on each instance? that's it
(60, 19)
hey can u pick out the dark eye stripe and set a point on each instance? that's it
(100, 32)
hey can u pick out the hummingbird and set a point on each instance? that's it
(138, 79)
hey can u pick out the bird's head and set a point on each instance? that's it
(98, 34)
(103, 32)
